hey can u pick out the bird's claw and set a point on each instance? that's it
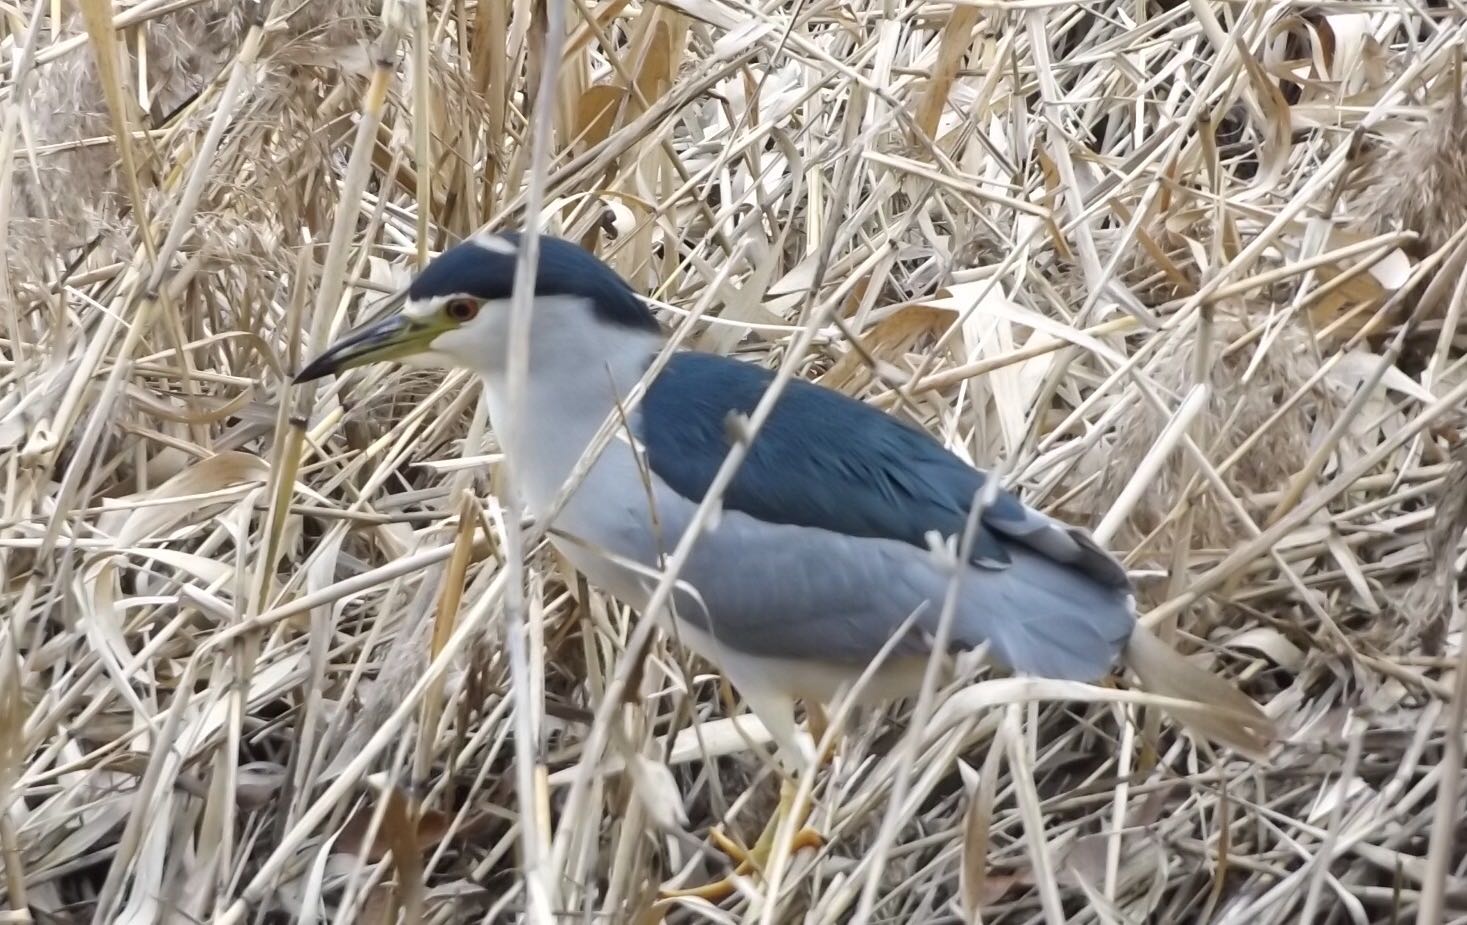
(746, 861)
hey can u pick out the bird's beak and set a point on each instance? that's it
(388, 338)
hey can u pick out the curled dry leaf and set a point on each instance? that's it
(188, 493)
(657, 790)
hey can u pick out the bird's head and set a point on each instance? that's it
(457, 311)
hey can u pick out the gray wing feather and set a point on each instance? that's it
(1059, 541)
(804, 593)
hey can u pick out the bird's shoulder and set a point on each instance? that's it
(826, 460)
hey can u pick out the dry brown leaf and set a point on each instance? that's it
(1277, 127)
(432, 827)
(889, 340)
(654, 75)
(596, 112)
(957, 36)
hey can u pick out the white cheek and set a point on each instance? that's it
(464, 347)
(429, 359)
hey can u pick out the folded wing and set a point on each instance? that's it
(828, 461)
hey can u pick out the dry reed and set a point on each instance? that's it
(1187, 271)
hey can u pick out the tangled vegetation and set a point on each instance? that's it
(1189, 273)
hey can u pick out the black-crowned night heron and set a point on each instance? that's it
(823, 548)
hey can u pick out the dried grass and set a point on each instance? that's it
(1187, 271)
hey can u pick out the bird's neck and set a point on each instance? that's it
(577, 375)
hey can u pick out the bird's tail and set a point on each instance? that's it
(1224, 714)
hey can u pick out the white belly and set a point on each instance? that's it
(823, 682)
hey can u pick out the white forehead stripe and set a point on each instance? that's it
(414, 308)
(423, 308)
(493, 243)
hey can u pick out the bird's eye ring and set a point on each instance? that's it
(462, 310)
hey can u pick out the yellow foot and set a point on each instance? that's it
(806, 838)
(746, 862)
(750, 860)
(715, 892)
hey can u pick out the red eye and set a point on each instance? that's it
(462, 310)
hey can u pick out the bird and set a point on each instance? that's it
(825, 550)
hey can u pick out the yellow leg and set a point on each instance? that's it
(757, 858)
(777, 714)
(819, 723)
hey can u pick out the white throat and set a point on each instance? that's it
(580, 369)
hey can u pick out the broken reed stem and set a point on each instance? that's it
(1175, 430)
(1446, 817)
(535, 836)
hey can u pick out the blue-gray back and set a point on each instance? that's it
(825, 460)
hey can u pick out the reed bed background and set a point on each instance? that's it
(1186, 272)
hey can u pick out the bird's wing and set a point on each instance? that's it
(825, 460)
(812, 595)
